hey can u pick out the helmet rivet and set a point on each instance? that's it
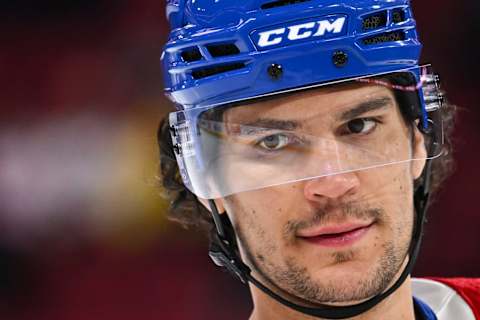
(275, 71)
(339, 58)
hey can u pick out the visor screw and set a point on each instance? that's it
(339, 58)
(275, 71)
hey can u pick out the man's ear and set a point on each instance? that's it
(419, 152)
(218, 203)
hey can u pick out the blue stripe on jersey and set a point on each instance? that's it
(423, 311)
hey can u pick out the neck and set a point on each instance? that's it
(398, 306)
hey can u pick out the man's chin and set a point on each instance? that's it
(344, 296)
(350, 284)
(345, 274)
(343, 303)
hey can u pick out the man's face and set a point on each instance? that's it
(339, 237)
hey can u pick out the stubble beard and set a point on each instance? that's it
(293, 279)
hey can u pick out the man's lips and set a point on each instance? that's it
(335, 235)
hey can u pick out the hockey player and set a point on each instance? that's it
(308, 140)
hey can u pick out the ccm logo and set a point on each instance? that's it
(300, 31)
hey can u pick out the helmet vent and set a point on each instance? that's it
(221, 50)
(191, 55)
(210, 71)
(398, 15)
(384, 37)
(281, 3)
(375, 21)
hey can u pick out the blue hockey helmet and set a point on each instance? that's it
(221, 51)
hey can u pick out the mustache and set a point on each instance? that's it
(332, 213)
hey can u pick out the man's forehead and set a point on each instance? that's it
(328, 101)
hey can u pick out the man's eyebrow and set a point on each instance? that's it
(366, 106)
(269, 123)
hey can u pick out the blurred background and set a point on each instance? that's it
(83, 233)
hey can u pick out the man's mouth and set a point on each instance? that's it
(336, 235)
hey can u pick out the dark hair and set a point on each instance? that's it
(185, 208)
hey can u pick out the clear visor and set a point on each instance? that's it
(328, 130)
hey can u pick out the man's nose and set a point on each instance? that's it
(331, 187)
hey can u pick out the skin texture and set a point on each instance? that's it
(270, 222)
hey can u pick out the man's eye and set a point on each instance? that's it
(361, 126)
(274, 142)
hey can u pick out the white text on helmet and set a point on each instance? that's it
(300, 31)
